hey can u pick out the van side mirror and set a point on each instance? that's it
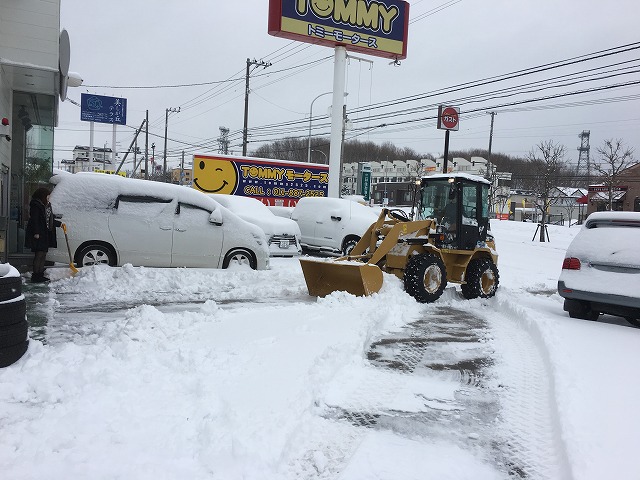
(216, 217)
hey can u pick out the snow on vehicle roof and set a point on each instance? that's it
(467, 176)
(7, 270)
(615, 216)
(89, 190)
(241, 204)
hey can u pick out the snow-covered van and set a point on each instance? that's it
(116, 221)
(332, 224)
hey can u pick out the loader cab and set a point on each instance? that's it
(460, 205)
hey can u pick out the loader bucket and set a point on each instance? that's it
(356, 278)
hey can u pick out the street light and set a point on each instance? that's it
(326, 159)
(310, 116)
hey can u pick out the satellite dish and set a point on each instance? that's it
(64, 53)
(64, 58)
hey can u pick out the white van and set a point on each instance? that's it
(115, 221)
(283, 234)
(332, 224)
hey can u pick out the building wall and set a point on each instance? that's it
(29, 31)
(629, 178)
(5, 112)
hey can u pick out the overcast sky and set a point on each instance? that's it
(145, 43)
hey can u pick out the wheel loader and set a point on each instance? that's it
(448, 241)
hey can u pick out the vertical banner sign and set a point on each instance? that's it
(273, 182)
(101, 109)
(365, 181)
(374, 27)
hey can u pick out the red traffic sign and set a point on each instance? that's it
(448, 118)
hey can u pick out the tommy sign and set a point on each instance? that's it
(448, 118)
(374, 27)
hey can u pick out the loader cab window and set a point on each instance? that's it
(434, 200)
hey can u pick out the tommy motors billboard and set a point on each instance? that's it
(374, 27)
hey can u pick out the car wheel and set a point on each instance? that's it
(633, 321)
(12, 313)
(239, 256)
(425, 277)
(10, 355)
(349, 244)
(10, 288)
(482, 279)
(581, 310)
(96, 254)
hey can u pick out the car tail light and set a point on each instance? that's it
(571, 263)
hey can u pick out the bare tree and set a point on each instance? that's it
(547, 159)
(614, 158)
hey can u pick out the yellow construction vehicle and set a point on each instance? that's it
(449, 241)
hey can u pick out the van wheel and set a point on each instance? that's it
(238, 257)
(349, 244)
(425, 277)
(95, 254)
(482, 279)
(580, 309)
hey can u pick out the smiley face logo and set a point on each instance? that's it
(322, 8)
(213, 175)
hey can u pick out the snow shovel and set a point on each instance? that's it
(356, 278)
(71, 265)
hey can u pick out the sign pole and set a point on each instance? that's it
(113, 146)
(337, 124)
(91, 146)
(446, 151)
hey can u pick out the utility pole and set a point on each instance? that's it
(246, 100)
(181, 169)
(146, 148)
(491, 171)
(166, 126)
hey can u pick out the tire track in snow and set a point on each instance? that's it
(529, 429)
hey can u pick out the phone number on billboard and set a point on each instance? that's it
(296, 193)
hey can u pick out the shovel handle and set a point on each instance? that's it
(64, 228)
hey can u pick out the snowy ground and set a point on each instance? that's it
(206, 374)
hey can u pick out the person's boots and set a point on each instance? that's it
(38, 278)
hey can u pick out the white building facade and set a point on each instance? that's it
(30, 79)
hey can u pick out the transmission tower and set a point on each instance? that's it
(584, 163)
(223, 141)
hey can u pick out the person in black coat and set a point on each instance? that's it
(41, 231)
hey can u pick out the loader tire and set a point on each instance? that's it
(425, 277)
(482, 279)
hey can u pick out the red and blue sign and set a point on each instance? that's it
(273, 182)
(374, 27)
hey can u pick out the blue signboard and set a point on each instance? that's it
(97, 108)
(273, 182)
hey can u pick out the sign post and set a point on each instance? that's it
(448, 119)
(374, 27)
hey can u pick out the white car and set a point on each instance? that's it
(283, 234)
(116, 221)
(332, 224)
(601, 269)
